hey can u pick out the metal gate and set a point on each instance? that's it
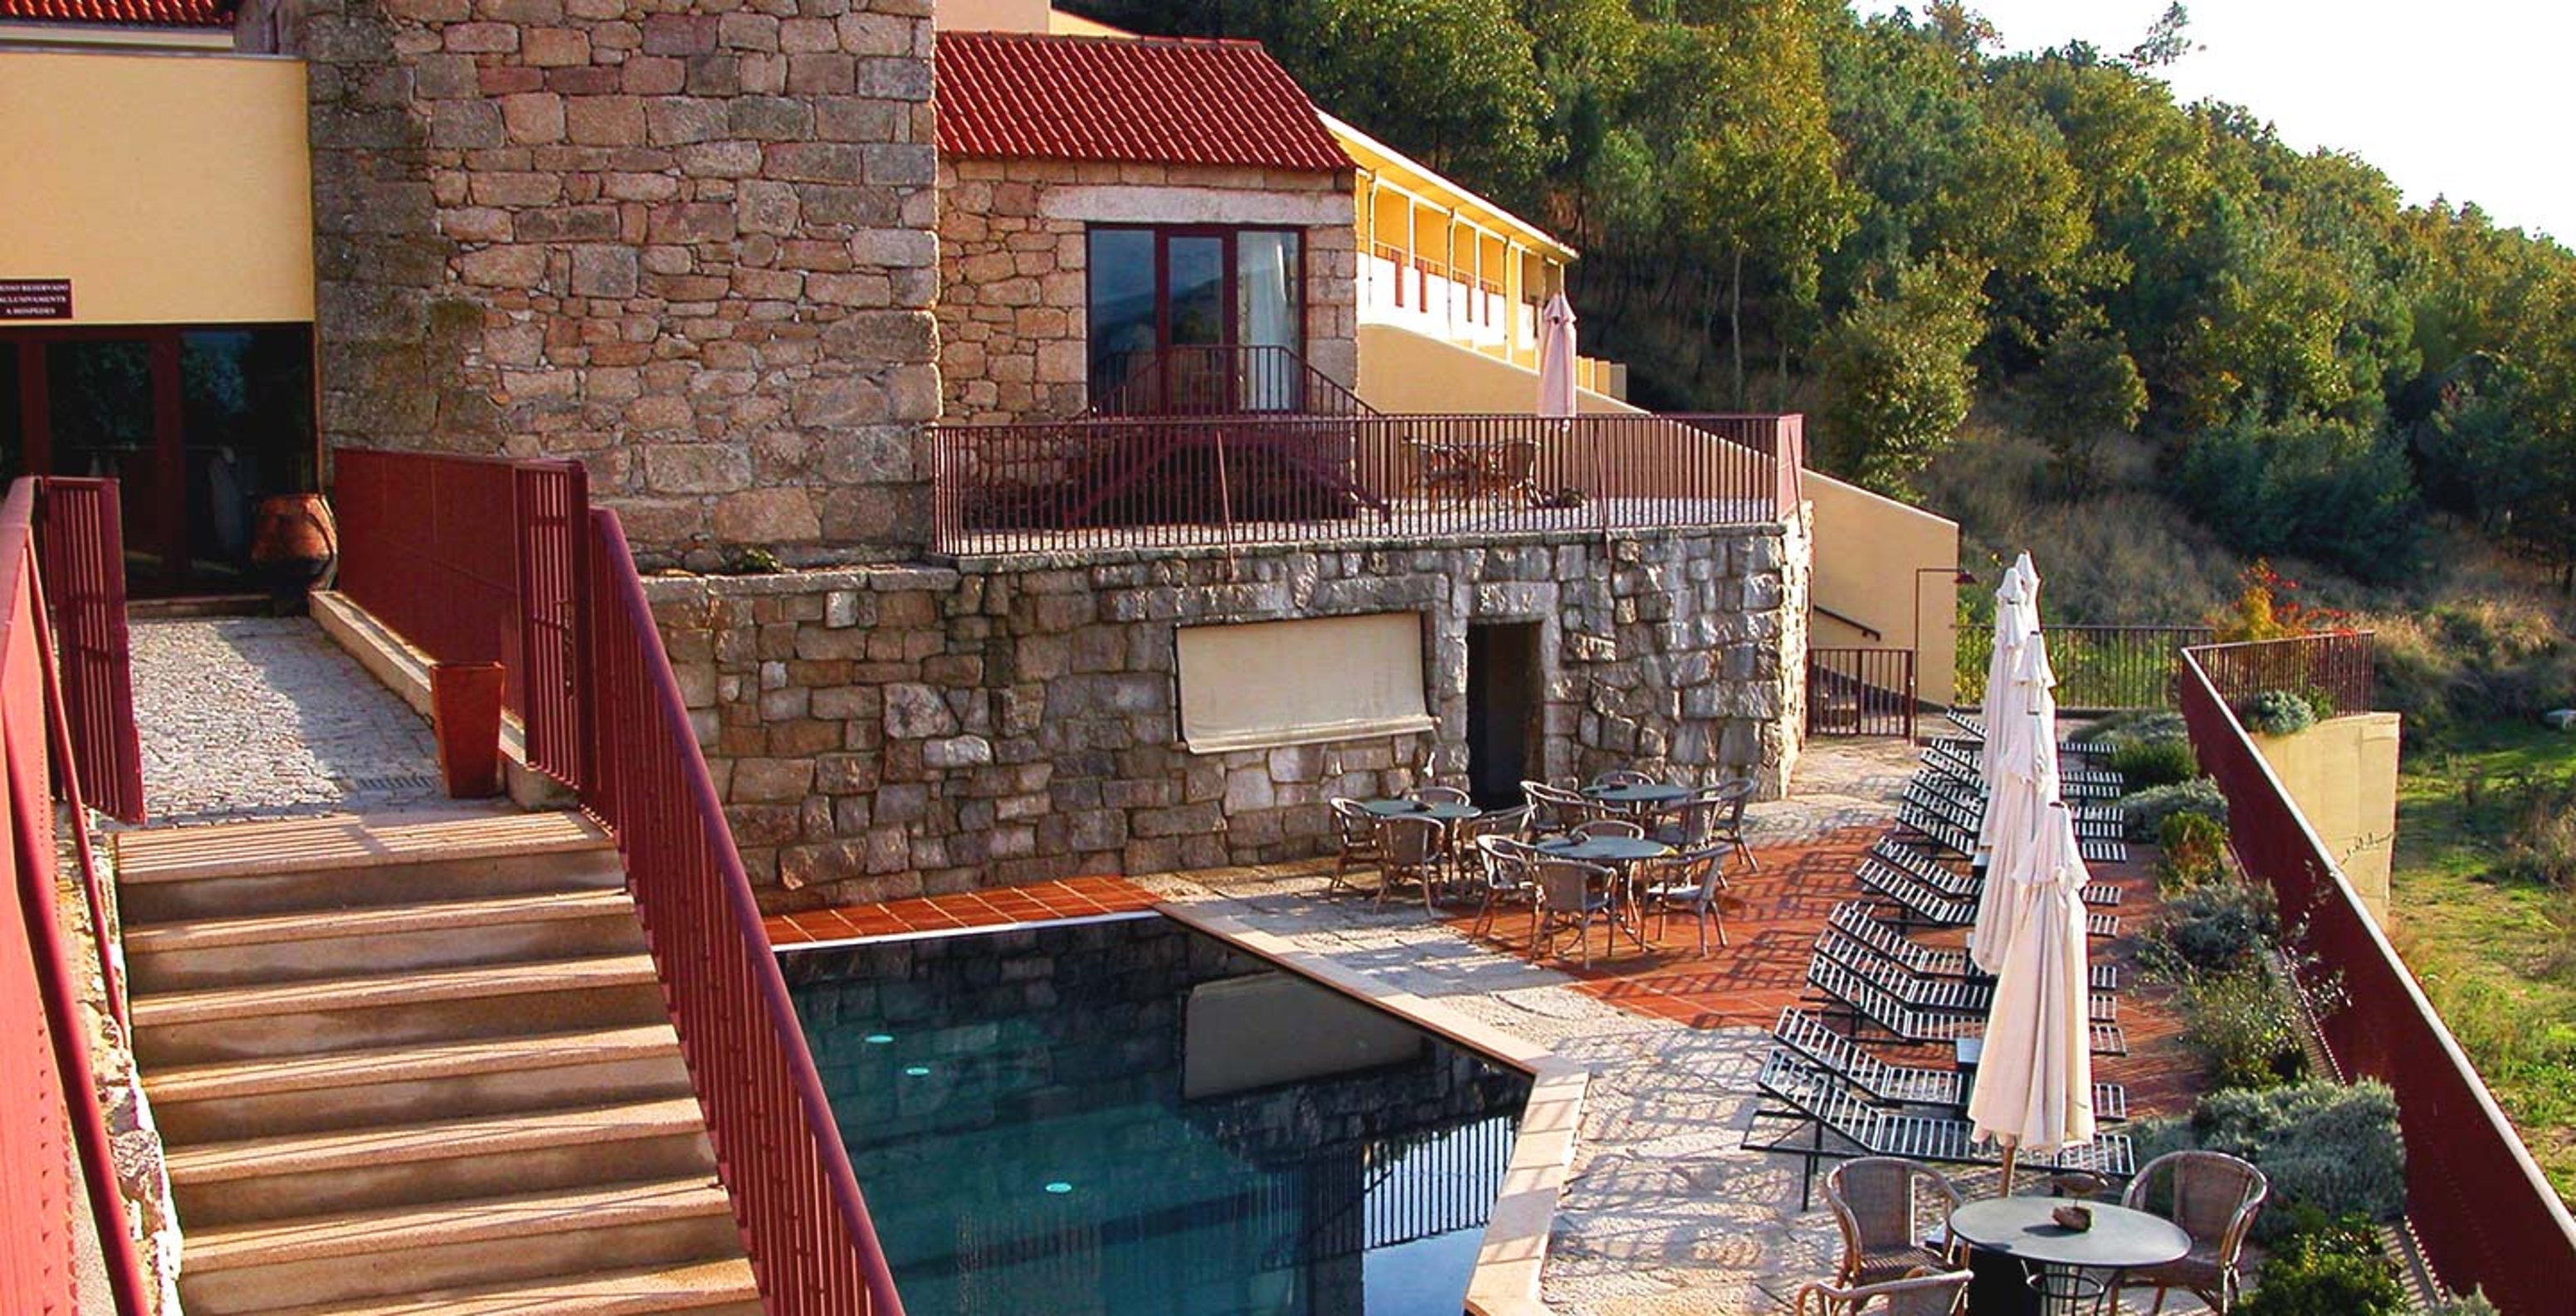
(1860, 692)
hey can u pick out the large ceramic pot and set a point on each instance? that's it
(465, 715)
(295, 547)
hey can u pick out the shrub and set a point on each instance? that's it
(2279, 713)
(2334, 493)
(2540, 840)
(2145, 811)
(2326, 1147)
(2138, 727)
(2143, 763)
(2244, 1020)
(2193, 847)
(2474, 1304)
(2327, 1269)
(2215, 926)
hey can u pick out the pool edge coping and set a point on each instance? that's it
(1505, 1281)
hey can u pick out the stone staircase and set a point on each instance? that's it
(418, 1066)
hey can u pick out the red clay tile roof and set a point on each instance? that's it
(122, 13)
(1147, 101)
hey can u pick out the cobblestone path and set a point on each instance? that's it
(264, 717)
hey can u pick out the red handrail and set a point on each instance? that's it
(2486, 1215)
(40, 1020)
(80, 544)
(798, 1205)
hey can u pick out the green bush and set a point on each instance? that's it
(2143, 763)
(2216, 926)
(2474, 1304)
(2192, 849)
(2327, 1269)
(2327, 492)
(2326, 1147)
(2244, 1020)
(2279, 713)
(2145, 811)
(2138, 727)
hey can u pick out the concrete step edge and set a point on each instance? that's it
(374, 921)
(421, 987)
(324, 1070)
(433, 1140)
(441, 1224)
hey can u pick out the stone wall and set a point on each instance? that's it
(1013, 317)
(889, 732)
(688, 242)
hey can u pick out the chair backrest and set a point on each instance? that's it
(2212, 1195)
(1609, 827)
(1409, 840)
(1707, 867)
(1621, 777)
(1505, 859)
(1924, 1293)
(1357, 825)
(1440, 795)
(1497, 822)
(1877, 1200)
(1730, 797)
(1568, 884)
(1553, 810)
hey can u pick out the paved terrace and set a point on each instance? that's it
(1664, 1211)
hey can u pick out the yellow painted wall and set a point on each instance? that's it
(1867, 547)
(993, 16)
(169, 188)
(2342, 773)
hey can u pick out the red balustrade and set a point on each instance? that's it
(81, 550)
(2486, 1215)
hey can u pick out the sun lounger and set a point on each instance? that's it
(1955, 761)
(1816, 1042)
(1962, 841)
(1863, 1002)
(1968, 808)
(1973, 727)
(1923, 991)
(1859, 918)
(1962, 886)
(1819, 1105)
(1925, 907)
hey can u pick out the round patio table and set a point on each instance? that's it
(1447, 813)
(1646, 795)
(2056, 1258)
(1605, 849)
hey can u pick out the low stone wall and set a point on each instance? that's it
(887, 732)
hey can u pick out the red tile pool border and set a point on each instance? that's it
(1037, 902)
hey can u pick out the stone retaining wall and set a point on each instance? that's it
(889, 732)
(686, 241)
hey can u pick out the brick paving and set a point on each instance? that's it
(264, 717)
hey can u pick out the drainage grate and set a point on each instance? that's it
(377, 785)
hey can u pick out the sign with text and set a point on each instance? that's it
(35, 299)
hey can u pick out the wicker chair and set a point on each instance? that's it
(1412, 850)
(1619, 827)
(1621, 777)
(1501, 866)
(1356, 829)
(1689, 824)
(2215, 1198)
(1553, 810)
(1924, 1293)
(1726, 826)
(1694, 880)
(1877, 1201)
(1439, 795)
(1570, 894)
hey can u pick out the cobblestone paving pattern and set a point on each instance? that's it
(264, 717)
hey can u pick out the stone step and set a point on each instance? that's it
(344, 861)
(366, 1087)
(348, 1013)
(714, 1288)
(342, 1259)
(379, 939)
(442, 1160)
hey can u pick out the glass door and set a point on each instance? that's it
(101, 418)
(1195, 321)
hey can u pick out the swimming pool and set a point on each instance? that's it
(1128, 1116)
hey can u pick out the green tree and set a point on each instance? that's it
(2086, 388)
(1897, 371)
(1454, 83)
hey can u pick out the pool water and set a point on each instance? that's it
(1127, 1116)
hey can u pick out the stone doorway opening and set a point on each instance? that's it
(1504, 675)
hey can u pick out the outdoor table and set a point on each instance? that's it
(1620, 852)
(1640, 798)
(1441, 813)
(2054, 1258)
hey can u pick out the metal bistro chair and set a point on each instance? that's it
(1356, 829)
(2215, 1198)
(1411, 850)
(1621, 777)
(1694, 880)
(1467, 835)
(1924, 1293)
(1689, 824)
(1619, 827)
(1502, 868)
(1440, 795)
(1554, 810)
(1571, 894)
(1878, 1203)
(1726, 826)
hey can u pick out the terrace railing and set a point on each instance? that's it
(476, 560)
(1228, 481)
(81, 546)
(780, 1153)
(1217, 380)
(2336, 665)
(1860, 692)
(2099, 668)
(2486, 1215)
(54, 1121)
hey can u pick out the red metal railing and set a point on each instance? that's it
(1860, 692)
(81, 550)
(2335, 664)
(474, 560)
(1174, 482)
(45, 1074)
(780, 1154)
(2486, 1215)
(2099, 668)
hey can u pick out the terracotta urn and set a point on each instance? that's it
(465, 713)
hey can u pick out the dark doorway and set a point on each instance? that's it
(1502, 711)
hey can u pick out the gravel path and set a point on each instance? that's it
(264, 717)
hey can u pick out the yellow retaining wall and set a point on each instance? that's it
(169, 188)
(1867, 548)
(2342, 773)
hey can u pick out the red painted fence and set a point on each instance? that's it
(777, 1147)
(475, 560)
(47, 1085)
(2485, 1214)
(81, 544)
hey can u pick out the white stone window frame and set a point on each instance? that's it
(1280, 676)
